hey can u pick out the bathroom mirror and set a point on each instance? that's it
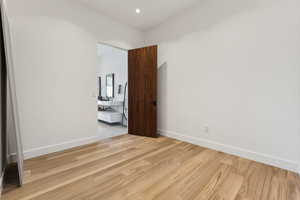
(100, 91)
(110, 85)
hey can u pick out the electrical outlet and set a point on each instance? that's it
(206, 129)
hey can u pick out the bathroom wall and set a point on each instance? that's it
(112, 60)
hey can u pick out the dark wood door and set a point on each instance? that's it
(142, 94)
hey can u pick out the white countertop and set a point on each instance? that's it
(110, 103)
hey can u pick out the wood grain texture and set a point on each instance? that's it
(142, 91)
(138, 168)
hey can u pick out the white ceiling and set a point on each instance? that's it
(152, 13)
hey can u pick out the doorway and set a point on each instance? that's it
(127, 91)
(112, 98)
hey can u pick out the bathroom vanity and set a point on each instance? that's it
(108, 111)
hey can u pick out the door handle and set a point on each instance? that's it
(154, 103)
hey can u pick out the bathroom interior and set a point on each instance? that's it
(112, 98)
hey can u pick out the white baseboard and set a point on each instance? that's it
(244, 153)
(259, 157)
(55, 148)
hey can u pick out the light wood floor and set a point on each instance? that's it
(137, 168)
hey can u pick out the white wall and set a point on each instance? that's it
(233, 66)
(55, 55)
(112, 60)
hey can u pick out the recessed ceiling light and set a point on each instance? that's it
(138, 11)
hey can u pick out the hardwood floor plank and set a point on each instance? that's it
(184, 170)
(137, 168)
(293, 182)
(187, 187)
(229, 188)
(144, 177)
(214, 183)
(254, 179)
(79, 160)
